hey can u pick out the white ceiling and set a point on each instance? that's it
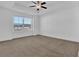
(23, 6)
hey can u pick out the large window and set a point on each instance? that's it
(22, 22)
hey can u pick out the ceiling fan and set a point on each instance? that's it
(39, 4)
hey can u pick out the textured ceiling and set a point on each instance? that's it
(23, 6)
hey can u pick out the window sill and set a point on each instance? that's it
(24, 28)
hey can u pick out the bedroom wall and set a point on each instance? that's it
(5, 32)
(62, 23)
(6, 25)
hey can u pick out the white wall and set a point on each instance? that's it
(6, 25)
(62, 23)
(36, 27)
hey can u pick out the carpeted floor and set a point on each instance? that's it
(38, 46)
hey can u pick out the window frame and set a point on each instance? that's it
(23, 27)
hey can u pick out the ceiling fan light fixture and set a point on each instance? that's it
(38, 6)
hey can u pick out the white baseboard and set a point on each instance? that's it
(5, 39)
(64, 38)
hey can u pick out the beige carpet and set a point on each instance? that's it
(38, 46)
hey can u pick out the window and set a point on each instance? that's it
(22, 22)
(27, 22)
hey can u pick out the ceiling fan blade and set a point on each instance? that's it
(34, 2)
(43, 3)
(38, 2)
(44, 7)
(32, 6)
